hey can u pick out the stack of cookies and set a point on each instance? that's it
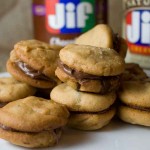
(134, 96)
(135, 102)
(91, 76)
(91, 71)
(34, 62)
(27, 120)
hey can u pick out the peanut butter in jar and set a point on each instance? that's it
(59, 22)
(136, 29)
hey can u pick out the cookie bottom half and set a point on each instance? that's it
(102, 86)
(91, 121)
(134, 116)
(31, 140)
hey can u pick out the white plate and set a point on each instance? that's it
(115, 136)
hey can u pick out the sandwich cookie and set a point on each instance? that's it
(135, 102)
(81, 101)
(102, 36)
(91, 121)
(88, 111)
(33, 62)
(90, 69)
(11, 90)
(32, 122)
(133, 72)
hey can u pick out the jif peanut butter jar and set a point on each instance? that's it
(59, 22)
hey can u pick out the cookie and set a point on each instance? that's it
(102, 36)
(31, 140)
(135, 102)
(90, 69)
(11, 90)
(23, 115)
(33, 62)
(32, 117)
(92, 60)
(133, 72)
(91, 121)
(135, 93)
(136, 116)
(81, 101)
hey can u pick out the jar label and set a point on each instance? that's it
(66, 16)
(138, 30)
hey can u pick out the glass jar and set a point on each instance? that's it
(136, 30)
(59, 22)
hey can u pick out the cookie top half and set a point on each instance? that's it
(135, 93)
(103, 36)
(92, 60)
(38, 55)
(100, 36)
(11, 90)
(33, 114)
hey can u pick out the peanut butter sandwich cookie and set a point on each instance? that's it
(11, 90)
(133, 72)
(135, 102)
(32, 122)
(91, 121)
(102, 36)
(90, 69)
(33, 62)
(88, 111)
